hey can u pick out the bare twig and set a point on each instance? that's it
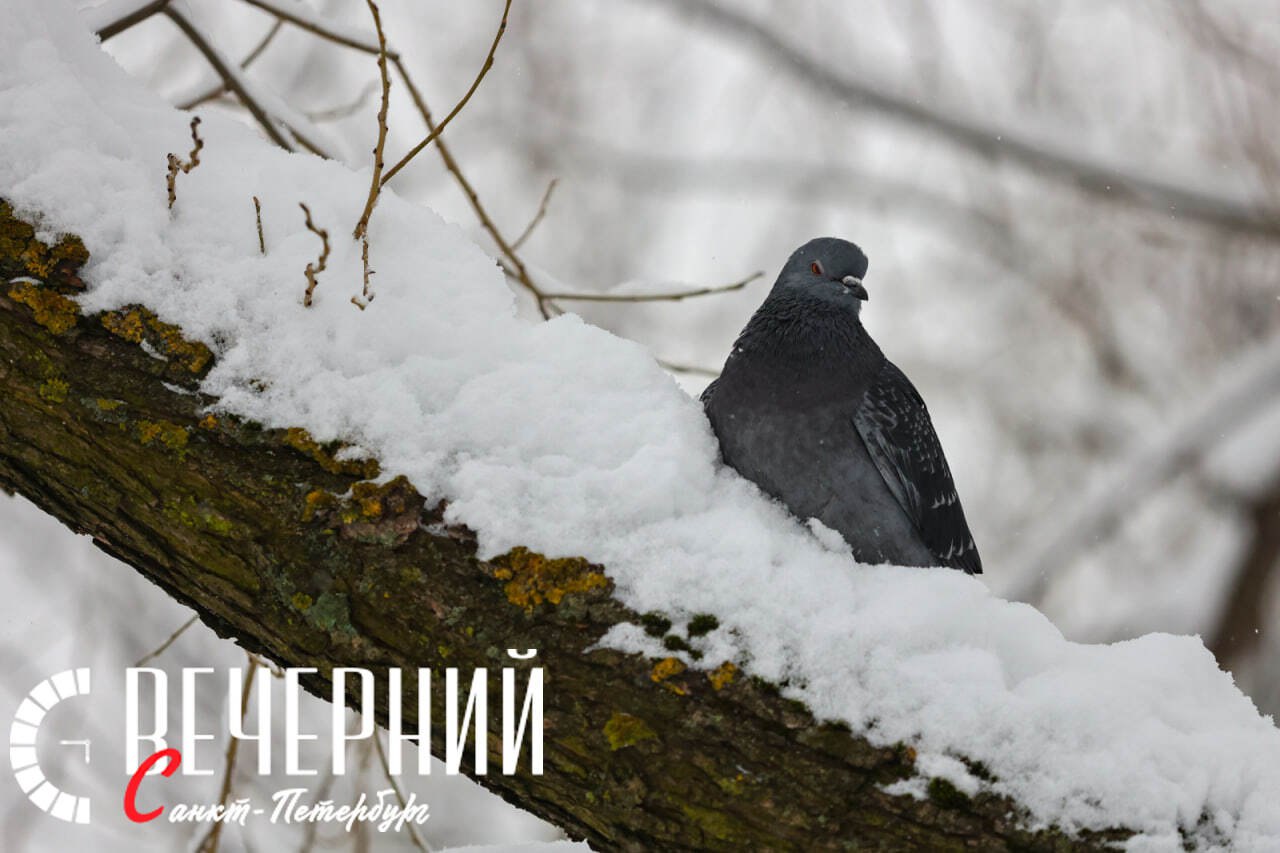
(210, 842)
(436, 131)
(137, 15)
(163, 647)
(343, 110)
(361, 231)
(671, 296)
(250, 58)
(362, 225)
(513, 266)
(366, 294)
(537, 217)
(177, 165)
(418, 840)
(257, 213)
(314, 269)
(230, 79)
(315, 26)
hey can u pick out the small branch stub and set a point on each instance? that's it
(313, 269)
(177, 165)
(257, 214)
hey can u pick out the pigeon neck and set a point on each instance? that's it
(789, 326)
(818, 354)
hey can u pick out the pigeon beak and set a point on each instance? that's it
(854, 285)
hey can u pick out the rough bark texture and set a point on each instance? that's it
(244, 525)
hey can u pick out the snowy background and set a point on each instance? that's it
(1097, 364)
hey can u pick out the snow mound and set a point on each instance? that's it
(563, 438)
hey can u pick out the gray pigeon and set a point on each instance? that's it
(809, 409)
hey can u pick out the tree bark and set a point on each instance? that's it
(246, 526)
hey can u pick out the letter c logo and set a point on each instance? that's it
(22, 745)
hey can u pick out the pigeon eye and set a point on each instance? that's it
(815, 268)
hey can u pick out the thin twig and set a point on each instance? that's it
(366, 295)
(672, 296)
(418, 840)
(362, 225)
(537, 217)
(314, 269)
(484, 69)
(210, 842)
(163, 647)
(361, 231)
(343, 110)
(229, 78)
(184, 166)
(257, 213)
(305, 142)
(137, 16)
(514, 266)
(250, 58)
(316, 27)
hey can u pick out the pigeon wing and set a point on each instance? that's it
(895, 427)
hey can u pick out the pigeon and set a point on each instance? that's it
(810, 410)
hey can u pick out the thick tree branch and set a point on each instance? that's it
(1243, 394)
(1241, 624)
(301, 557)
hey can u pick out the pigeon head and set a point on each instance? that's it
(828, 270)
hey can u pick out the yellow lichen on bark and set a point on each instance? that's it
(137, 325)
(723, 675)
(301, 441)
(533, 579)
(52, 310)
(38, 259)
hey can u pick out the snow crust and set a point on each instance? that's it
(566, 439)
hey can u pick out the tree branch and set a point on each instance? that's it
(314, 561)
(1241, 623)
(251, 57)
(141, 10)
(1245, 392)
(230, 78)
(1041, 154)
(667, 296)
(475, 84)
